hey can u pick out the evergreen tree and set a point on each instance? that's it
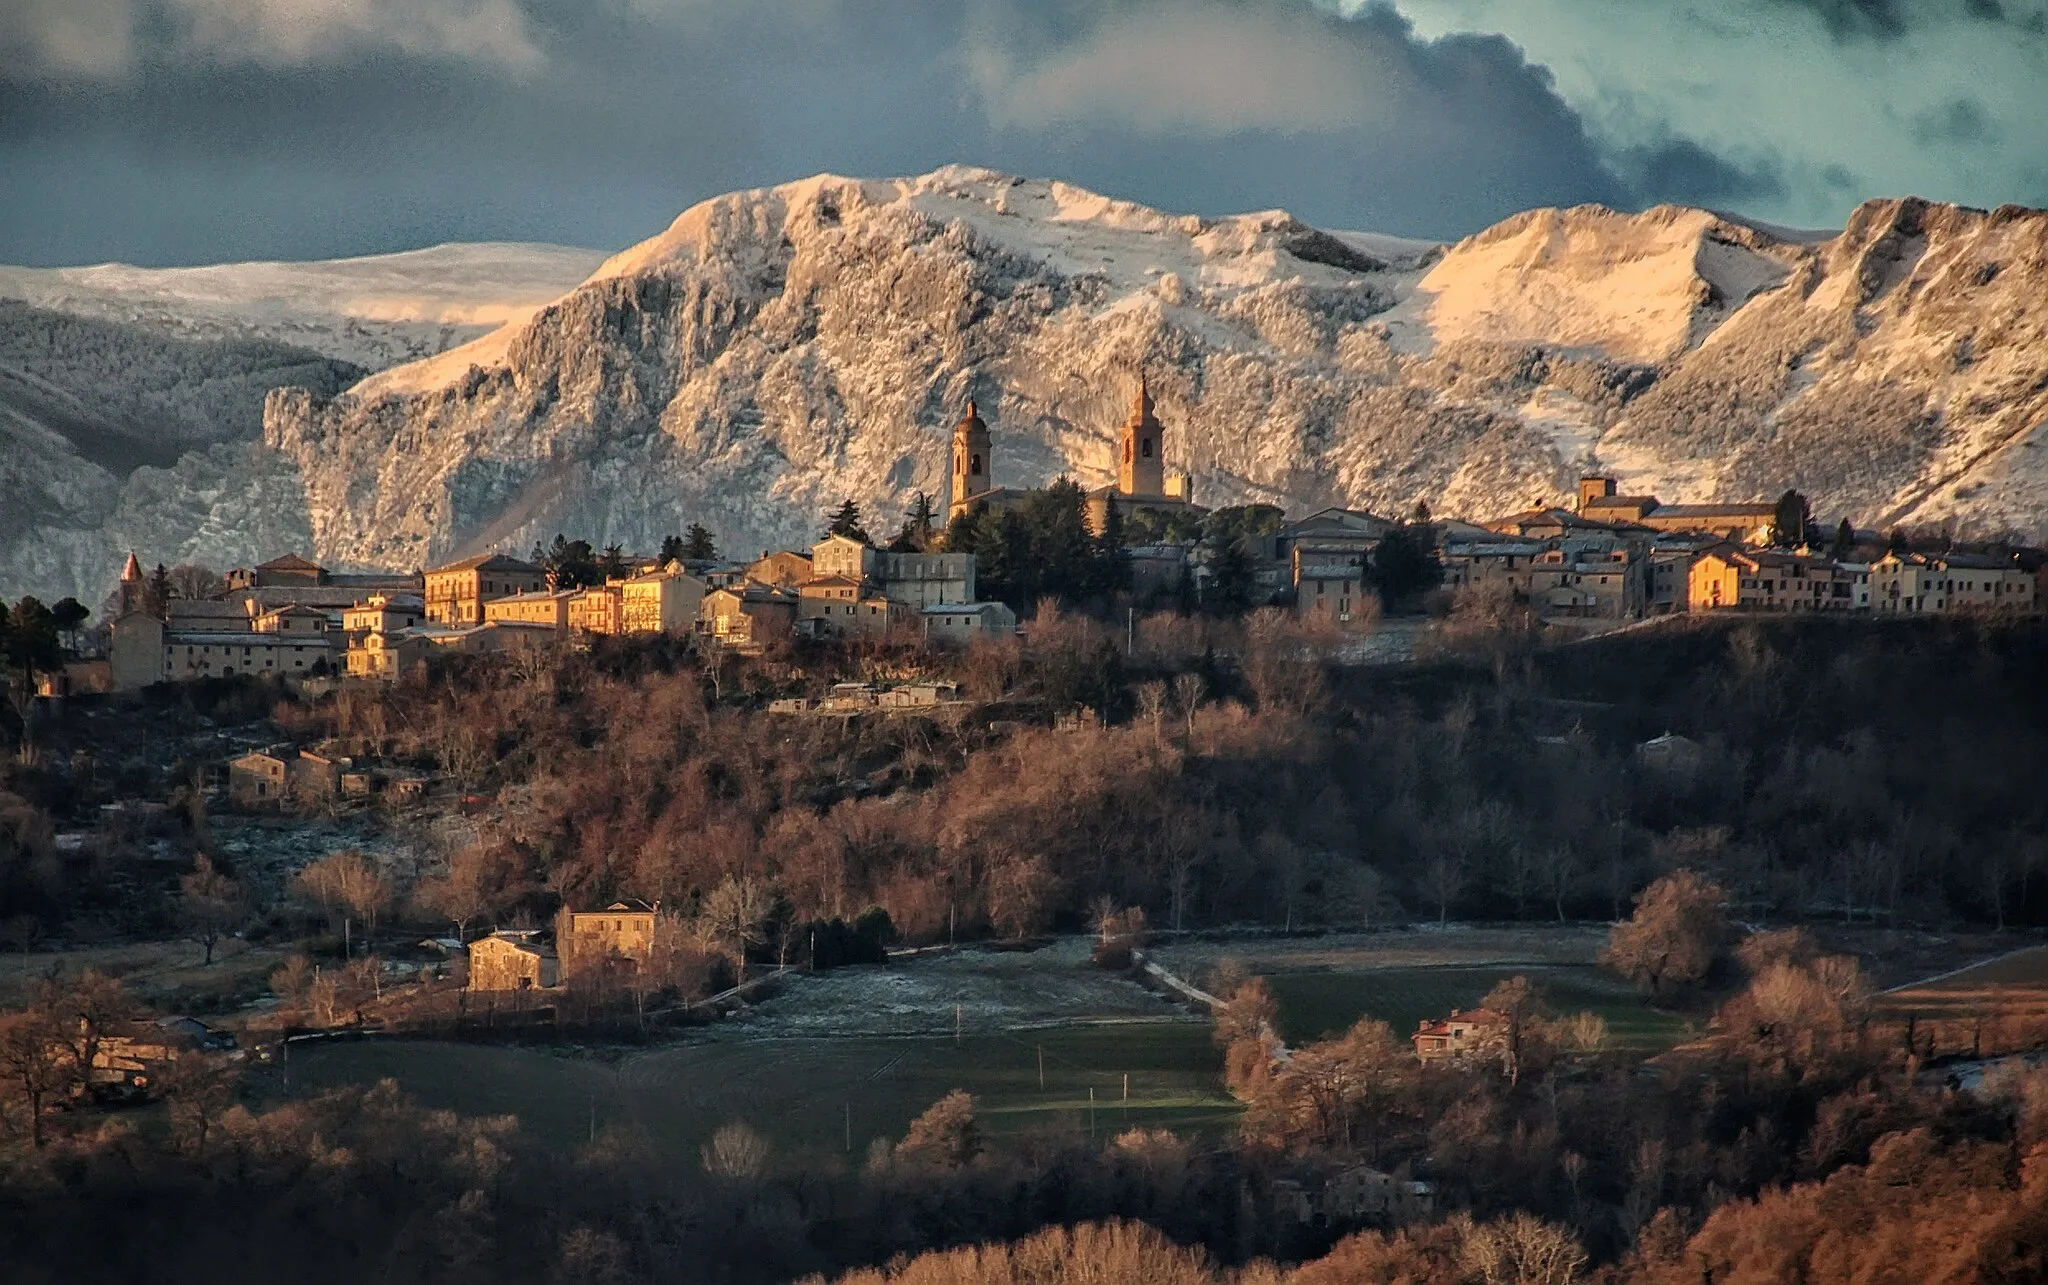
(156, 598)
(1792, 524)
(918, 521)
(846, 521)
(32, 643)
(1233, 579)
(1844, 544)
(698, 546)
(1040, 547)
(612, 566)
(1897, 542)
(671, 549)
(570, 564)
(1421, 515)
(70, 614)
(1403, 566)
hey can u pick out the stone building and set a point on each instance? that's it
(1462, 1034)
(784, 570)
(599, 609)
(1743, 523)
(749, 618)
(971, 480)
(548, 609)
(1771, 580)
(663, 601)
(624, 929)
(455, 594)
(258, 779)
(1143, 484)
(966, 622)
(384, 613)
(1916, 583)
(513, 960)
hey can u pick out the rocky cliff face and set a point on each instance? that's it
(777, 350)
(131, 399)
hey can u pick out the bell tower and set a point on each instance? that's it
(134, 591)
(1141, 463)
(970, 461)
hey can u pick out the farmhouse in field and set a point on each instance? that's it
(623, 930)
(513, 960)
(1461, 1034)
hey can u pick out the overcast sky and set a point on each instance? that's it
(191, 131)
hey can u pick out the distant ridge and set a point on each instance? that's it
(776, 350)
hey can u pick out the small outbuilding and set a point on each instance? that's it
(257, 779)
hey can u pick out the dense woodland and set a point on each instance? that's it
(1829, 770)
(1852, 770)
(1860, 771)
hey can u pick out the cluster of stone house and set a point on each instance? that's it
(1621, 557)
(274, 776)
(295, 619)
(1612, 557)
(519, 959)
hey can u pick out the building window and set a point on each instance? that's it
(1148, 448)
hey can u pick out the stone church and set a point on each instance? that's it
(1142, 482)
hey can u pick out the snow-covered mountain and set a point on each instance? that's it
(131, 399)
(776, 350)
(372, 312)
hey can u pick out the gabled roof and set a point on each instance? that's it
(1977, 562)
(1563, 519)
(1758, 510)
(1350, 519)
(487, 562)
(958, 608)
(289, 562)
(535, 595)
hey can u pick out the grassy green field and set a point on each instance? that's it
(1320, 1003)
(2013, 985)
(806, 1094)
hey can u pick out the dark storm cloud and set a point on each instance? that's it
(212, 129)
(1892, 19)
(1683, 172)
(1959, 122)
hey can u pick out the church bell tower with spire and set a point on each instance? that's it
(970, 461)
(1141, 463)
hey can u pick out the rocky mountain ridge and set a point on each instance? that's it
(131, 399)
(776, 350)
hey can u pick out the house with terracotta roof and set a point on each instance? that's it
(1464, 1033)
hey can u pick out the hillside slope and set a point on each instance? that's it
(131, 399)
(775, 350)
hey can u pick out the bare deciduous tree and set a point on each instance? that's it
(1521, 1249)
(735, 1151)
(1679, 928)
(211, 904)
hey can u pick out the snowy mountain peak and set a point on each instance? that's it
(775, 351)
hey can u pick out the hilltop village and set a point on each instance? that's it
(1606, 560)
(1301, 881)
